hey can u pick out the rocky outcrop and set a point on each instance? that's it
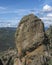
(31, 44)
(49, 34)
(30, 33)
(31, 41)
(8, 57)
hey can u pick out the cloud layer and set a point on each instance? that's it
(47, 8)
(11, 17)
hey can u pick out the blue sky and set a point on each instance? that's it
(11, 11)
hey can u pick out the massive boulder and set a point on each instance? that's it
(31, 41)
(29, 34)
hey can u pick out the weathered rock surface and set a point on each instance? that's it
(8, 57)
(30, 33)
(49, 34)
(31, 41)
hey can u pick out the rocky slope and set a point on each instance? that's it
(7, 57)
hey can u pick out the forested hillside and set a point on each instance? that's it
(7, 38)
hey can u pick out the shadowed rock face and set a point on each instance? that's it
(1, 62)
(29, 34)
(49, 34)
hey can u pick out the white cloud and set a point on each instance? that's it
(47, 8)
(9, 22)
(49, 15)
(47, 21)
(47, 18)
(19, 11)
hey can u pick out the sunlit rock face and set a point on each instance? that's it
(31, 41)
(30, 33)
